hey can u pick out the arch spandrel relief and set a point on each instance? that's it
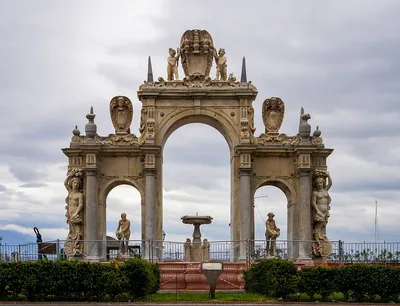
(224, 103)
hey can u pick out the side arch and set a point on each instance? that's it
(283, 185)
(292, 211)
(106, 187)
(104, 190)
(215, 119)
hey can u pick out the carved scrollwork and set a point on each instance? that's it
(113, 139)
(78, 139)
(265, 139)
(273, 110)
(197, 52)
(121, 111)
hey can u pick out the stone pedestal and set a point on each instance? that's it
(91, 217)
(196, 251)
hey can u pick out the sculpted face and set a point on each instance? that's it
(123, 217)
(120, 102)
(172, 52)
(75, 184)
(320, 182)
(221, 52)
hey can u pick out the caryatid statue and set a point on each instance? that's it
(321, 206)
(74, 207)
(271, 233)
(123, 233)
(220, 60)
(172, 68)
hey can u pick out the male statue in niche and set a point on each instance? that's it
(272, 232)
(123, 234)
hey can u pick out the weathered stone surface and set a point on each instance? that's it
(272, 158)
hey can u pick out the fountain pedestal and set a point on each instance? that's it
(196, 250)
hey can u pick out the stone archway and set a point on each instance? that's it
(286, 186)
(288, 162)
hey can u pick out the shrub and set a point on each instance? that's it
(72, 280)
(272, 278)
(144, 278)
(318, 280)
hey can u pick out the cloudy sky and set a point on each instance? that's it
(338, 59)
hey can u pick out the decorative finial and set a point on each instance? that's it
(317, 132)
(243, 77)
(91, 127)
(149, 72)
(304, 127)
(75, 131)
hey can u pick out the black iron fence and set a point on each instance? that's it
(169, 251)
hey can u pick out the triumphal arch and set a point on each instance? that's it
(292, 163)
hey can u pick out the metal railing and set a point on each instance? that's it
(169, 251)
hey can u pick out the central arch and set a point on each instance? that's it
(217, 120)
(201, 158)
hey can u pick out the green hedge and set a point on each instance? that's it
(272, 278)
(73, 280)
(276, 278)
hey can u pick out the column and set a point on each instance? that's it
(91, 216)
(304, 213)
(245, 213)
(150, 214)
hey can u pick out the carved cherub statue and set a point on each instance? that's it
(220, 60)
(172, 68)
(123, 233)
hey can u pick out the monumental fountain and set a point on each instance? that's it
(295, 164)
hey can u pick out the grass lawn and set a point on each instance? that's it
(199, 297)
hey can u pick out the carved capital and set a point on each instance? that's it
(150, 162)
(91, 161)
(304, 161)
(245, 161)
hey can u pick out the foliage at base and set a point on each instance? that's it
(359, 282)
(272, 278)
(80, 281)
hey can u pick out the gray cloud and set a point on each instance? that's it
(2, 188)
(33, 185)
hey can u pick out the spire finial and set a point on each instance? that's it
(149, 72)
(90, 127)
(243, 77)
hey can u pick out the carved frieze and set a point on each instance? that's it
(265, 139)
(193, 82)
(121, 112)
(120, 140)
(273, 110)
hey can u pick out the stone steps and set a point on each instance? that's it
(187, 276)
